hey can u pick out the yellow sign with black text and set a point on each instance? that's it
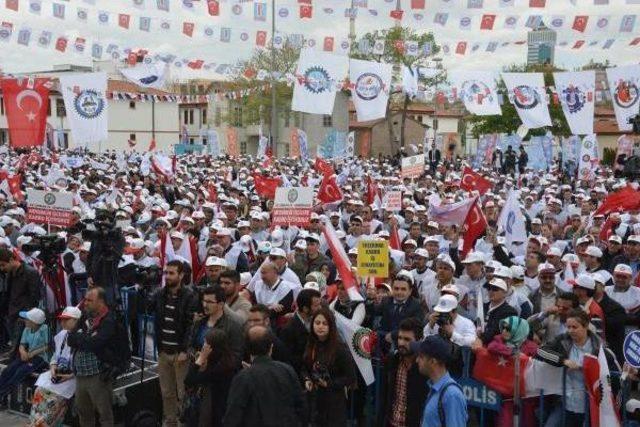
(373, 258)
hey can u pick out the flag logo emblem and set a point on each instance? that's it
(475, 91)
(363, 342)
(89, 104)
(283, 12)
(368, 86)
(50, 199)
(525, 97)
(575, 98)
(316, 80)
(626, 94)
(511, 219)
(292, 195)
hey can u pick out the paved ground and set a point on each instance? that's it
(10, 419)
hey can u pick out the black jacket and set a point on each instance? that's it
(230, 324)
(492, 320)
(187, 306)
(294, 336)
(417, 391)
(616, 318)
(98, 340)
(391, 320)
(24, 290)
(267, 394)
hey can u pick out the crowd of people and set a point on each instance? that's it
(245, 313)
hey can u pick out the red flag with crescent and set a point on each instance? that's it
(474, 225)
(626, 199)
(374, 195)
(26, 102)
(340, 259)
(474, 181)
(323, 167)
(329, 191)
(394, 240)
(265, 186)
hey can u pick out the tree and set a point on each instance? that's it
(509, 121)
(258, 105)
(395, 52)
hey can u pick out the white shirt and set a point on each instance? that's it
(423, 279)
(464, 331)
(62, 354)
(629, 299)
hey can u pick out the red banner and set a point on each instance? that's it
(26, 102)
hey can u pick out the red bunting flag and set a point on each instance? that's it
(487, 22)
(306, 11)
(265, 186)
(626, 199)
(323, 167)
(461, 48)
(123, 20)
(537, 3)
(261, 38)
(396, 14)
(327, 46)
(474, 181)
(195, 65)
(61, 44)
(26, 102)
(213, 6)
(417, 4)
(12, 5)
(187, 28)
(373, 193)
(474, 225)
(580, 23)
(329, 191)
(394, 238)
(578, 44)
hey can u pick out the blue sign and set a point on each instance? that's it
(631, 349)
(479, 395)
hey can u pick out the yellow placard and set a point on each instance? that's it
(373, 258)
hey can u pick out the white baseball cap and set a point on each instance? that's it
(554, 251)
(70, 313)
(499, 283)
(277, 252)
(215, 261)
(503, 272)
(446, 259)
(473, 257)
(623, 269)
(616, 239)
(301, 244)
(593, 251)
(583, 281)
(35, 315)
(446, 304)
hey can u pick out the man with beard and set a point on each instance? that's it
(173, 306)
(403, 391)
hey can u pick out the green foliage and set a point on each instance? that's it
(509, 121)
(608, 156)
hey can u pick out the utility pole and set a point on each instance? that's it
(273, 129)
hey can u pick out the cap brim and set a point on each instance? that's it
(23, 314)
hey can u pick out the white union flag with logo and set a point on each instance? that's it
(370, 88)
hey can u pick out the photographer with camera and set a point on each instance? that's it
(446, 322)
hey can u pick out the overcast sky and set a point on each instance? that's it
(17, 58)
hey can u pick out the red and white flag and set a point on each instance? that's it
(343, 265)
(374, 196)
(26, 102)
(329, 191)
(453, 214)
(189, 251)
(474, 181)
(10, 186)
(394, 238)
(265, 186)
(361, 342)
(598, 383)
(323, 167)
(623, 200)
(163, 166)
(474, 225)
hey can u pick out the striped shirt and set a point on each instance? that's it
(168, 342)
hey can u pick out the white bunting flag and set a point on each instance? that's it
(378, 47)
(478, 91)
(527, 93)
(576, 91)
(85, 100)
(351, 144)
(623, 84)
(318, 76)
(588, 158)
(147, 75)
(370, 91)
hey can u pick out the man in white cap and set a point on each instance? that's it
(496, 309)
(445, 270)
(279, 257)
(273, 291)
(213, 267)
(422, 275)
(593, 259)
(631, 255)
(622, 290)
(474, 276)
(236, 259)
(446, 321)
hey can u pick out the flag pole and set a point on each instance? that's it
(274, 114)
(516, 390)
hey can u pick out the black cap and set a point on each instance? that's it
(433, 346)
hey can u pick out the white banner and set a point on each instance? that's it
(370, 93)
(318, 78)
(625, 94)
(478, 91)
(303, 143)
(527, 93)
(512, 221)
(351, 144)
(85, 100)
(588, 158)
(576, 91)
(213, 142)
(147, 75)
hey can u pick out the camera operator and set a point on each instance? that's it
(23, 285)
(446, 322)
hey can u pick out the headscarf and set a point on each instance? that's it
(519, 329)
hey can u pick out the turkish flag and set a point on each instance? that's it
(474, 181)
(394, 238)
(461, 48)
(323, 167)
(498, 372)
(213, 193)
(265, 186)
(487, 22)
(537, 3)
(474, 225)
(12, 4)
(623, 200)
(261, 38)
(329, 191)
(578, 44)
(580, 23)
(152, 145)
(187, 28)
(195, 65)
(26, 102)
(327, 46)
(132, 58)
(418, 4)
(373, 192)
(123, 20)
(396, 14)
(61, 44)
(306, 11)
(15, 186)
(214, 7)
(602, 406)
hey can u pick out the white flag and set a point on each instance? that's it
(303, 143)
(351, 144)
(511, 221)
(370, 93)
(147, 75)
(527, 93)
(360, 341)
(378, 47)
(576, 91)
(214, 143)
(478, 91)
(410, 81)
(319, 77)
(623, 84)
(85, 100)
(588, 158)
